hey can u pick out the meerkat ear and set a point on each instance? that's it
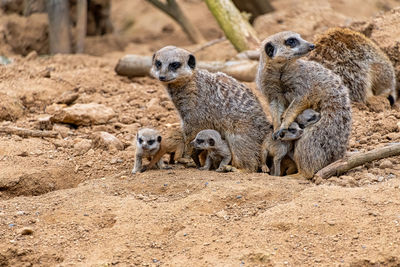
(269, 49)
(211, 142)
(192, 61)
(159, 139)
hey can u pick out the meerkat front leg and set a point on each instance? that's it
(138, 162)
(276, 108)
(225, 161)
(264, 155)
(207, 164)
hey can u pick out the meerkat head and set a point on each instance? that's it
(206, 139)
(173, 65)
(148, 139)
(308, 117)
(292, 133)
(284, 46)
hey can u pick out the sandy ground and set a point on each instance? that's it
(68, 201)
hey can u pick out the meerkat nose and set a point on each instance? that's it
(311, 47)
(162, 78)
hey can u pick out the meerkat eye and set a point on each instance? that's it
(140, 140)
(291, 42)
(175, 65)
(292, 130)
(150, 142)
(313, 118)
(158, 64)
(199, 141)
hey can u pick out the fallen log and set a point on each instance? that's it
(343, 165)
(137, 66)
(27, 132)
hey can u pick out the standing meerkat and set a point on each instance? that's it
(292, 85)
(173, 144)
(147, 145)
(364, 68)
(218, 153)
(278, 149)
(215, 101)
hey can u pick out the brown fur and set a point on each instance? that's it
(292, 85)
(362, 65)
(215, 101)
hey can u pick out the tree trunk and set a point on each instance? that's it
(254, 7)
(58, 12)
(239, 31)
(172, 9)
(81, 23)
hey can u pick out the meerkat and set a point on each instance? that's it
(278, 149)
(218, 153)
(148, 143)
(364, 68)
(173, 144)
(292, 85)
(215, 101)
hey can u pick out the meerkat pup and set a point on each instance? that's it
(364, 68)
(172, 144)
(292, 85)
(215, 101)
(278, 149)
(218, 153)
(147, 145)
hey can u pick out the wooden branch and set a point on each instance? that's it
(136, 66)
(343, 165)
(208, 44)
(58, 12)
(172, 9)
(249, 54)
(27, 132)
(239, 31)
(81, 25)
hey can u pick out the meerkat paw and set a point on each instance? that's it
(133, 172)
(265, 169)
(296, 176)
(227, 168)
(143, 169)
(204, 168)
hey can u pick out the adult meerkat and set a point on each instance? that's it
(292, 85)
(215, 101)
(364, 68)
(147, 145)
(173, 144)
(218, 153)
(278, 149)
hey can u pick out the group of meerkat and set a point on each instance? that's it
(309, 103)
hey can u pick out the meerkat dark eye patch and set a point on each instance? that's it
(140, 140)
(174, 65)
(192, 62)
(269, 50)
(211, 142)
(159, 138)
(150, 142)
(292, 130)
(158, 64)
(313, 118)
(292, 42)
(199, 141)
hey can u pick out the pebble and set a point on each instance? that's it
(26, 231)
(385, 164)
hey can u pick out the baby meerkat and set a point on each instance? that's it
(364, 68)
(172, 144)
(278, 149)
(147, 145)
(218, 153)
(292, 85)
(215, 101)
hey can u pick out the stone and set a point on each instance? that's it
(82, 146)
(11, 108)
(84, 114)
(107, 141)
(44, 122)
(68, 97)
(386, 164)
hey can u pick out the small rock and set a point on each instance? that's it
(32, 55)
(331, 223)
(82, 146)
(107, 141)
(68, 97)
(11, 108)
(386, 164)
(370, 177)
(84, 114)
(26, 231)
(5, 60)
(44, 122)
